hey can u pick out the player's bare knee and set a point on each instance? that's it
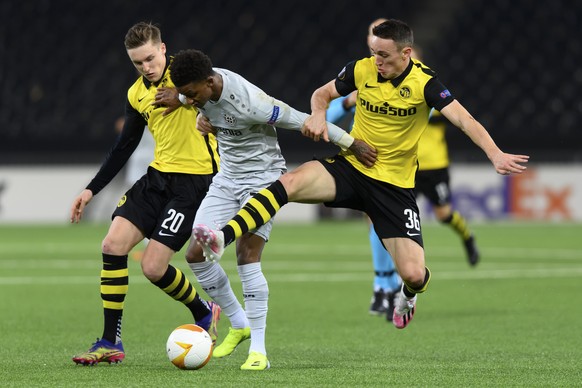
(112, 246)
(419, 287)
(288, 181)
(414, 277)
(152, 270)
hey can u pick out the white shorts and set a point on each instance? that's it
(227, 196)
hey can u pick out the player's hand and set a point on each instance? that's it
(203, 125)
(365, 153)
(79, 205)
(315, 127)
(506, 164)
(167, 97)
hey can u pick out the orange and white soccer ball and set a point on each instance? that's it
(189, 347)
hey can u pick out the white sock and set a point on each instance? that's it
(215, 283)
(256, 296)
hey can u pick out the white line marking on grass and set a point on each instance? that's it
(534, 253)
(18, 247)
(517, 273)
(43, 280)
(35, 264)
(305, 277)
(353, 250)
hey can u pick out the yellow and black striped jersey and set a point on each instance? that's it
(179, 147)
(391, 115)
(433, 153)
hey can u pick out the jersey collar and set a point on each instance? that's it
(398, 80)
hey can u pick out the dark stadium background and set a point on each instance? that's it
(64, 71)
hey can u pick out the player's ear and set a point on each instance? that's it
(163, 48)
(406, 52)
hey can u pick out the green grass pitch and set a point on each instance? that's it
(515, 320)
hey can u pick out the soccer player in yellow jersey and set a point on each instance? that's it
(386, 282)
(162, 204)
(395, 96)
(432, 181)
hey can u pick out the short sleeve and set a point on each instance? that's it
(437, 95)
(345, 82)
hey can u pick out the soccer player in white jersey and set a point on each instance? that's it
(243, 119)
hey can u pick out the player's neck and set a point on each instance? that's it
(217, 87)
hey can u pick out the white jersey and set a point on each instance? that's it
(245, 118)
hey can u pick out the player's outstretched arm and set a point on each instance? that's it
(295, 120)
(365, 153)
(504, 163)
(315, 127)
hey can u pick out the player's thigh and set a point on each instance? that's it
(309, 183)
(121, 237)
(219, 205)
(155, 260)
(182, 195)
(408, 258)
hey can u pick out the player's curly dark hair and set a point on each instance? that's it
(190, 66)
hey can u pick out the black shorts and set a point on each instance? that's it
(393, 210)
(434, 185)
(163, 205)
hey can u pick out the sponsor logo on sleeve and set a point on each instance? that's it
(274, 115)
(445, 93)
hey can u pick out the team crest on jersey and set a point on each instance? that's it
(404, 92)
(122, 201)
(229, 119)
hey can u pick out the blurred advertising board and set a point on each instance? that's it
(543, 193)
